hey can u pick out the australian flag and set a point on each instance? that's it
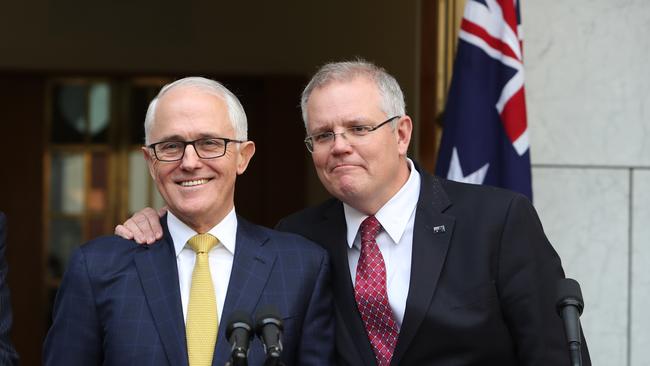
(485, 137)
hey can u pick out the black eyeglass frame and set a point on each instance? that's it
(309, 140)
(193, 142)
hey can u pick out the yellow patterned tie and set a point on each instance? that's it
(201, 325)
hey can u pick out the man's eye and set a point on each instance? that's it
(359, 130)
(211, 143)
(171, 145)
(322, 137)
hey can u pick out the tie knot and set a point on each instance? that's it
(369, 228)
(202, 243)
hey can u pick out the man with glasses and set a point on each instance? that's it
(169, 303)
(425, 271)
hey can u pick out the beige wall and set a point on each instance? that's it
(588, 93)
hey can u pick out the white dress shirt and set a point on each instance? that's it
(220, 257)
(395, 240)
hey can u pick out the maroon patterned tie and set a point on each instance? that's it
(371, 295)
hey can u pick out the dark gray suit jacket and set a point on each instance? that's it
(482, 288)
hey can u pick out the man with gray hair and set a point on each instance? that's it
(169, 303)
(425, 271)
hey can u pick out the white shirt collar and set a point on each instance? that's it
(225, 231)
(394, 214)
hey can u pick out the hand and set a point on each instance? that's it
(143, 227)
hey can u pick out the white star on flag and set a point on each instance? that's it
(455, 172)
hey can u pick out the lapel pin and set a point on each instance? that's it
(439, 229)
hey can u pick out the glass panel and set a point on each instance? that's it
(140, 98)
(99, 97)
(138, 182)
(98, 182)
(65, 236)
(67, 183)
(69, 113)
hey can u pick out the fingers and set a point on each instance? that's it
(135, 228)
(153, 217)
(143, 227)
(148, 223)
(122, 231)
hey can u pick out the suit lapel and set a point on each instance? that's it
(251, 270)
(430, 245)
(332, 234)
(158, 272)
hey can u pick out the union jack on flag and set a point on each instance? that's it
(485, 137)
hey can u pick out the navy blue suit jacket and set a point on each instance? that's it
(482, 287)
(8, 355)
(119, 302)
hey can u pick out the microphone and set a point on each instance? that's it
(269, 329)
(569, 306)
(239, 334)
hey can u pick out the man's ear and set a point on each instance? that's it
(246, 152)
(151, 160)
(404, 130)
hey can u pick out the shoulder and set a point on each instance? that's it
(444, 195)
(287, 240)
(472, 204)
(480, 206)
(309, 216)
(282, 240)
(479, 196)
(105, 252)
(108, 244)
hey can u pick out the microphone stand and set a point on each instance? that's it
(575, 352)
(272, 361)
(569, 307)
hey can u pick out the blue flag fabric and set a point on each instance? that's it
(485, 136)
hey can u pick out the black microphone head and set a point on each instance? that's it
(568, 294)
(268, 314)
(238, 319)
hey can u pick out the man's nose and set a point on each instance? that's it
(341, 142)
(190, 159)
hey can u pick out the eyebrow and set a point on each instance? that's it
(180, 138)
(344, 124)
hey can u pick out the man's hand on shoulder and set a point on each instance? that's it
(143, 227)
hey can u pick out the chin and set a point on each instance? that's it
(188, 211)
(348, 185)
(346, 193)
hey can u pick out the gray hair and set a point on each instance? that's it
(235, 110)
(392, 97)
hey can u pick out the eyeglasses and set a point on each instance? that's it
(206, 148)
(355, 135)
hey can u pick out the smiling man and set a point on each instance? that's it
(125, 304)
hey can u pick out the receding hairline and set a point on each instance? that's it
(155, 103)
(198, 88)
(234, 110)
(352, 71)
(390, 93)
